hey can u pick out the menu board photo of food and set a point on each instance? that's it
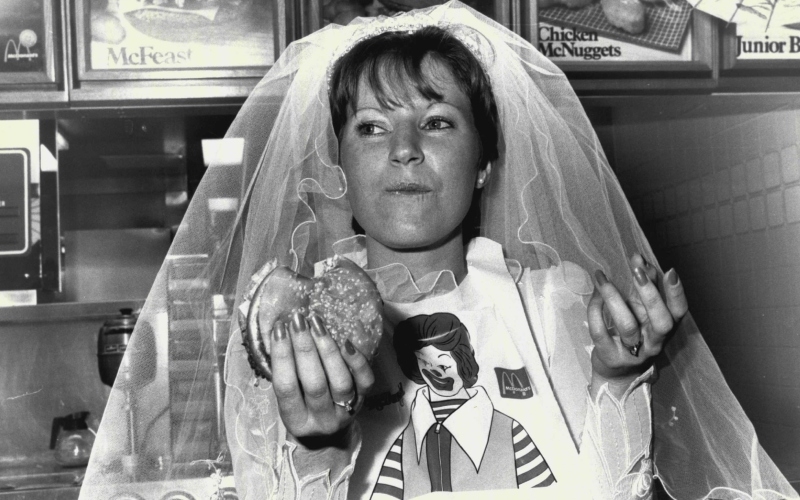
(344, 11)
(767, 30)
(141, 35)
(615, 30)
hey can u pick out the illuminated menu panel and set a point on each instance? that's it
(14, 201)
(614, 31)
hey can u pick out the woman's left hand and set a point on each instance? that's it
(637, 328)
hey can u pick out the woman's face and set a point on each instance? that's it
(411, 170)
(439, 370)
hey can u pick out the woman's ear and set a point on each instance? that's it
(483, 175)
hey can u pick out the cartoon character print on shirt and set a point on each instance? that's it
(455, 440)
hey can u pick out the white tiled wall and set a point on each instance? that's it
(716, 187)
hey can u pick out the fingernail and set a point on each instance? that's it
(672, 279)
(348, 346)
(316, 325)
(600, 277)
(279, 330)
(298, 322)
(640, 275)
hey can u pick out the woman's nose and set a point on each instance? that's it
(406, 148)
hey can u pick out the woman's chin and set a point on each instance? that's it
(414, 238)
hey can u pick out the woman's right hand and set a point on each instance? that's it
(319, 386)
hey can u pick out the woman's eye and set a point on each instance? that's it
(367, 129)
(438, 124)
(443, 368)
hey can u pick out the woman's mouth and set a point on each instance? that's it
(408, 188)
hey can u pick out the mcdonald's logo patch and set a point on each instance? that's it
(514, 384)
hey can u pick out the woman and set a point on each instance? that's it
(406, 154)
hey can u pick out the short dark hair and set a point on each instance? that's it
(391, 61)
(443, 331)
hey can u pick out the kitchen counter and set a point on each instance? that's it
(60, 493)
(49, 482)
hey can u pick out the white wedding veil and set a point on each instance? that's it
(276, 192)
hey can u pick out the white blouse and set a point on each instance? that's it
(525, 421)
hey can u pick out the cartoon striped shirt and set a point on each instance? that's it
(531, 468)
(443, 409)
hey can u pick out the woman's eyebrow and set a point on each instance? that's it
(451, 105)
(433, 103)
(366, 110)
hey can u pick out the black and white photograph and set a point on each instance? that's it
(400, 249)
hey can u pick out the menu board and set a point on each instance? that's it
(26, 39)
(344, 11)
(14, 202)
(757, 30)
(153, 35)
(613, 31)
(21, 36)
(768, 31)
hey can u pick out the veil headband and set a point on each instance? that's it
(409, 23)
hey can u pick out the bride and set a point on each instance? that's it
(530, 340)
